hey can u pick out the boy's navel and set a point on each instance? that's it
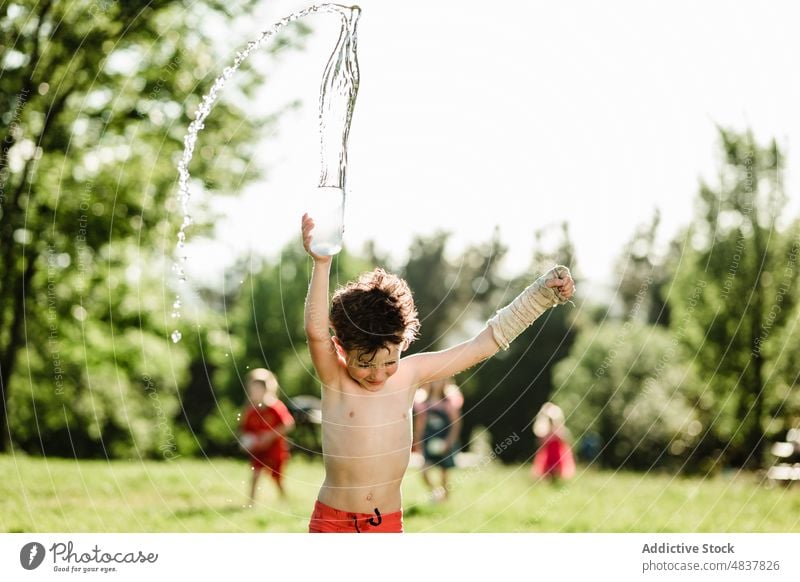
(369, 496)
(352, 414)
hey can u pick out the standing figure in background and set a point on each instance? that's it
(265, 423)
(437, 424)
(554, 458)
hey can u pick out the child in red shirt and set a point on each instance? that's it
(265, 423)
(554, 458)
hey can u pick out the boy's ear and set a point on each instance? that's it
(339, 349)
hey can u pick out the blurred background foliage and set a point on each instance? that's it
(96, 97)
(690, 365)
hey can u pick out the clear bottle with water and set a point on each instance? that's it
(325, 205)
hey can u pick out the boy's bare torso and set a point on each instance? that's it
(366, 437)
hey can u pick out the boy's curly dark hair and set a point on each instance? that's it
(375, 310)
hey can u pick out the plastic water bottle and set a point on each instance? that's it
(337, 99)
(326, 208)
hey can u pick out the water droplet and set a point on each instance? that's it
(176, 336)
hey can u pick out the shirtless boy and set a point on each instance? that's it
(368, 391)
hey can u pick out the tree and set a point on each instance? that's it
(105, 384)
(97, 97)
(735, 288)
(432, 280)
(782, 352)
(627, 385)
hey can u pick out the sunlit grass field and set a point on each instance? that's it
(193, 495)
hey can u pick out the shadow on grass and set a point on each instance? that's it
(424, 510)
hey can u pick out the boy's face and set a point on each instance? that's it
(372, 370)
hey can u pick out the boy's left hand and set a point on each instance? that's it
(564, 285)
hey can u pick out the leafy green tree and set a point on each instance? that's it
(433, 281)
(782, 352)
(628, 385)
(105, 383)
(96, 97)
(735, 289)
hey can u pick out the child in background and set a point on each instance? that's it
(437, 424)
(265, 424)
(554, 458)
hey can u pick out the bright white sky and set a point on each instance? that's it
(523, 114)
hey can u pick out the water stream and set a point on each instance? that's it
(336, 102)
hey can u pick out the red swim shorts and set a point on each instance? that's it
(326, 519)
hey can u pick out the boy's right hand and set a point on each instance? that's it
(308, 226)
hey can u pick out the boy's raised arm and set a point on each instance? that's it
(320, 344)
(431, 366)
(552, 288)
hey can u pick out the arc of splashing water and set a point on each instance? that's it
(190, 140)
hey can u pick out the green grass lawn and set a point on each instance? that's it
(192, 495)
